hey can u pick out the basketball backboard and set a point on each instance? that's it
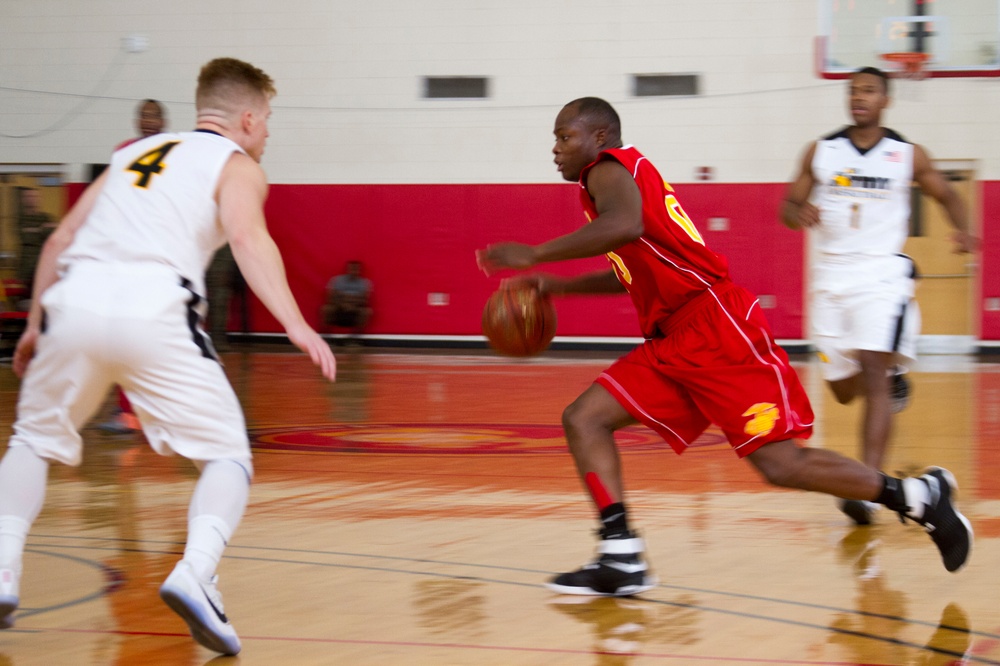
(960, 37)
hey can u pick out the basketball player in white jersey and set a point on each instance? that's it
(118, 300)
(853, 192)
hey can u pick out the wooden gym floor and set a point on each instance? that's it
(409, 513)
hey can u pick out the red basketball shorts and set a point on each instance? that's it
(716, 363)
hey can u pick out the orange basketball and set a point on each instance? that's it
(519, 321)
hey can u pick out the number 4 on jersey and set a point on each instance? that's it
(151, 163)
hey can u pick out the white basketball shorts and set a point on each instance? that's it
(864, 307)
(135, 325)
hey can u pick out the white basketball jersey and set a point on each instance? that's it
(863, 198)
(158, 206)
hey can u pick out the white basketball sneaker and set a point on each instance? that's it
(200, 605)
(9, 599)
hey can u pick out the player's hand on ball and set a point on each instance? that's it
(499, 256)
(544, 283)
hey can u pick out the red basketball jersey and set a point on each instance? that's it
(669, 264)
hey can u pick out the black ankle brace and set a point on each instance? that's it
(892, 494)
(614, 521)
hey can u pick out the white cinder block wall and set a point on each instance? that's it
(350, 73)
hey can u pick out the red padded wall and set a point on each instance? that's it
(420, 239)
(417, 239)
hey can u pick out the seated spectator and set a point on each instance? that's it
(348, 300)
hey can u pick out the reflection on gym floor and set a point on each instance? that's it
(409, 513)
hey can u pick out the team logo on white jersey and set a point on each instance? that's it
(852, 183)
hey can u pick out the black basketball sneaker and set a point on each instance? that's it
(860, 511)
(619, 570)
(949, 529)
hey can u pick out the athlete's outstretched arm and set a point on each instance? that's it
(241, 195)
(933, 184)
(45, 271)
(597, 282)
(796, 211)
(618, 221)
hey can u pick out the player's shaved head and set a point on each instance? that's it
(597, 113)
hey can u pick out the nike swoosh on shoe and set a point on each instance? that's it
(218, 612)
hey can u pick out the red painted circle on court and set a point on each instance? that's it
(445, 438)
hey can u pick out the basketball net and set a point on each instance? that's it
(908, 69)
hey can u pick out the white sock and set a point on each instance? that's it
(13, 532)
(917, 495)
(23, 476)
(216, 508)
(208, 536)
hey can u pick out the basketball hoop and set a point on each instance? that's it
(908, 64)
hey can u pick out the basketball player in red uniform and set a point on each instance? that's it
(708, 357)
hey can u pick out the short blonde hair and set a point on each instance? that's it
(227, 83)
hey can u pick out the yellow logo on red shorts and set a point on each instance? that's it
(763, 416)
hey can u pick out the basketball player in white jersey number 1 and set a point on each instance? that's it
(853, 192)
(120, 283)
